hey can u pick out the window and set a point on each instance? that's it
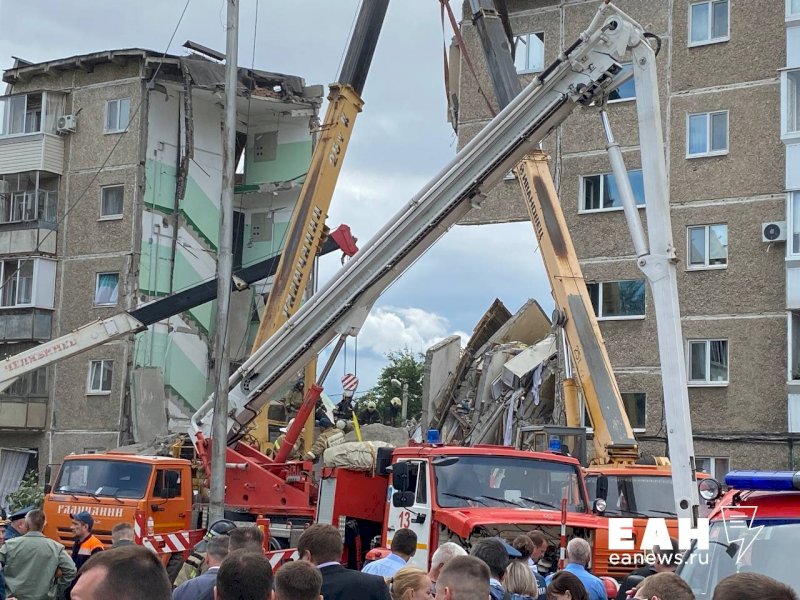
(117, 114)
(708, 22)
(618, 299)
(707, 134)
(17, 282)
(111, 201)
(600, 192)
(21, 114)
(708, 246)
(167, 484)
(100, 376)
(636, 408)
(29, 385)
(627, 91)
(792, 8)
(106, 291)
(708, 362)
(715, 466)
(793, 101)
(529, 52)
(28, 196)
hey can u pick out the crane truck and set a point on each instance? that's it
(629, 488)
(506, 490)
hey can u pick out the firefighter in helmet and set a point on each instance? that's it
(195, 563)
(369, 414)
(297, 450)
(392, 413)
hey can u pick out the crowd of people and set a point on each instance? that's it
(234, 567)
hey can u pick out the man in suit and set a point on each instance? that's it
(202, 587)
(322, 545)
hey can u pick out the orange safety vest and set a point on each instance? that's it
(87, 547)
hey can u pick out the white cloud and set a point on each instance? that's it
(390, 328)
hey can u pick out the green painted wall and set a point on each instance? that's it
(201, 213)
(180, 373)
(154, 276)
(291, 159)
(159, 186)
(255, 251)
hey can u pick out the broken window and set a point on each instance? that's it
(635, 404)
(117, 115)
(618, 299)
(708, 362)
(529, 52)
(600, 192)
(707, 134)
(708, 246)
(708, 22)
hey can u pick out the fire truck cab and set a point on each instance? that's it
(457, 494)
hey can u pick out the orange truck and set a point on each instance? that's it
(113, 488)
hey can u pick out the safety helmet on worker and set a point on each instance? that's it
(288, 426)
(371, 405)
(221, 527)
(341, 424)
(396, 401)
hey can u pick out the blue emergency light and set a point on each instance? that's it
(772, 481)
(434, 436)
(555, 445)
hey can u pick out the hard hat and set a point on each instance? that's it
(221, 527)
(370, 405)
(396, 401)
(340, 424)
(288, 425)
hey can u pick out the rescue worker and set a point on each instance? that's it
(369, 415)
(16, 526)
(293, 399)
(193, 567)
(297, 450)
(392, 413)
(86, 544)
(331, 436)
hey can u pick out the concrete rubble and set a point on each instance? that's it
(505, 378)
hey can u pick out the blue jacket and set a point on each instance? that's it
(199, 588)
(594, 586)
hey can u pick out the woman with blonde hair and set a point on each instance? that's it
(519, 580)
(410, 583)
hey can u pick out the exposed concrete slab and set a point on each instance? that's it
(148, 406)
(441, 362)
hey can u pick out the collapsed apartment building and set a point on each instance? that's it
(110, 180)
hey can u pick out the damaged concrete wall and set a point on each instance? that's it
(441, 362)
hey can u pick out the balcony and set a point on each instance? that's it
(28, 140)
(23, 405)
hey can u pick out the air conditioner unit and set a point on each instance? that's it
(773, 232)
(67, 124)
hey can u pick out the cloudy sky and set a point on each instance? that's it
(401, 140)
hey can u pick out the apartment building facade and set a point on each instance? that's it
(728, 88)
(110, 184)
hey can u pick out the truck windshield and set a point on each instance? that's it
(636, 496)
(114, 478)
(766, 546)
(511, 482)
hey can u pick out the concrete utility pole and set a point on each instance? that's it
(221, 371)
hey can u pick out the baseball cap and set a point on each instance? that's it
(83, 517)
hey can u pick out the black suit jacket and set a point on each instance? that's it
(339, 583)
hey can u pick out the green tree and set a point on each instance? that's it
(404, 366)
(29, 493)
